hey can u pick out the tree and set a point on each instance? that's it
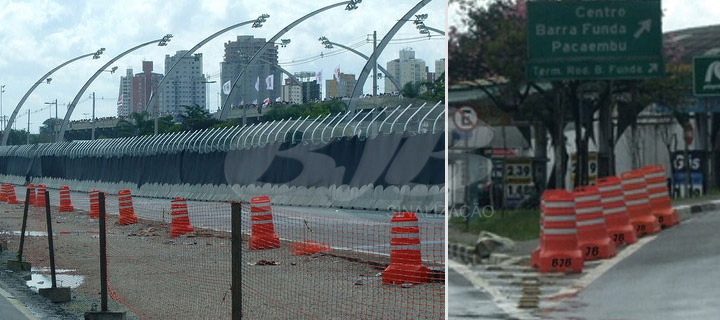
(410, 90)
(435, 91)
(494, 49)
(311, 109)
(196, 117)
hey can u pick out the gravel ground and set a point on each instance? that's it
(158, 277)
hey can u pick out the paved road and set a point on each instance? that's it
(467, 302)
(676, 276)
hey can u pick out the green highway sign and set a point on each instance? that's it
(706, 76)
(594, 40)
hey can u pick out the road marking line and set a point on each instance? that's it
(496, 296)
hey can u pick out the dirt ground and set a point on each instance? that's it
(155, 276)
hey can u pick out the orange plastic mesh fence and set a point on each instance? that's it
(328, 263)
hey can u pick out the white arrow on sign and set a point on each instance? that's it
(653, 68)
(644, 27)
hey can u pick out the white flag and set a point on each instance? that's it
(269, 81)
(266, 102)
(254, 102)
(337, 74)
(278, 99)
(226, 87)
(257, 84)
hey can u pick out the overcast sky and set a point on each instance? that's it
(37, 35)
(679, 14)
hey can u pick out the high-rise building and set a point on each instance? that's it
(124, 104)
(185, 85)
(144, 84)
(291, 92)
(406, 69)
(439, 68)
(310, 91)
(340, 88)
(261, 80)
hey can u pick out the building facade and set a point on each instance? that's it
(184, 86)
(439, 68)
(124, 104)
(143, 85)
(310, 91)
(340, 88)
(406, 69)
(291, 92)
(261, 80)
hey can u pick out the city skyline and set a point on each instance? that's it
(49, 33)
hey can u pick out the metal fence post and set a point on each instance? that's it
(236, 265)
(19, 265)
(53, 293)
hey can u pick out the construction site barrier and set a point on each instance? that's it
(329, 264)
(660, 202)
(558, 249)
(617, 220)
(65, 201)
(40, 197)
(638, 203)
(127, 214)
(593, 239)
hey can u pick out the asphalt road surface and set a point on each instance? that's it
(675, 276)
(467, 302)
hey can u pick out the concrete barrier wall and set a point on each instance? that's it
(418, 198)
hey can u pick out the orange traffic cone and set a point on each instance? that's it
(31, 190)
(558, 241)
(65, 201)
(638, 204)
(405, 254)
(660, 201)
(617, 220)
(262, 228)
(40, 198)
(180, 220)
(593, 239)
(11, 198)
(3, 192)
(94, 204)
(127, 213)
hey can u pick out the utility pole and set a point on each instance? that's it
(28, 132)
(93, 118)
(54, 127)
(2, 90)
(375, 64)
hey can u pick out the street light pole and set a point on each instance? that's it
(6, 133)
(375, 64)
(92, 136)
(28, 132)
(161, 42)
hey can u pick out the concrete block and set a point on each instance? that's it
(59, 294)
(18, 265)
